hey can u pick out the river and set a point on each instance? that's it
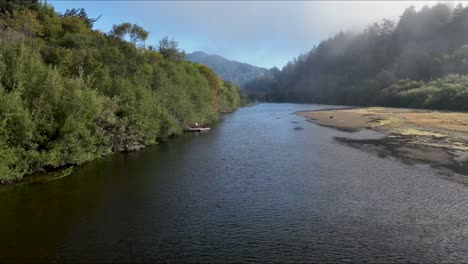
(264, 185)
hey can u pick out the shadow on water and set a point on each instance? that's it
(411, 154)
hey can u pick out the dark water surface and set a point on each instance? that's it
(256, 188)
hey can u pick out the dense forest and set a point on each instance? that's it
(234, 71)
(420, 62)
(69, 94)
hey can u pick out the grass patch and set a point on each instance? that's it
(416, 132)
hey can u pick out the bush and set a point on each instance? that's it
(69, 94)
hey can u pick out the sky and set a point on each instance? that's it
(262, 33)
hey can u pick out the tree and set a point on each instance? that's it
(168, 48)
(119, 31)
(136, 33)
(81, 13)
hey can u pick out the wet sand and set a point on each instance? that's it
(433, 137)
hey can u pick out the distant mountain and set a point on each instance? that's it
(230, 70)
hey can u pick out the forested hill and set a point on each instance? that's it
(69, 94)
(231, 70)
(420, 61)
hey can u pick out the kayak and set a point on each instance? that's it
(196, 129)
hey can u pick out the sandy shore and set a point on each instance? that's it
(438, 138)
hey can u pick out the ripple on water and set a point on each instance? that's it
(251, 190)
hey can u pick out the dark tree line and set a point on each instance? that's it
(418, 62)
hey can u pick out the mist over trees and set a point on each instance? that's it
(421, 61)
(69, 94)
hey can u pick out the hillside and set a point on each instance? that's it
(421, 61)
(70, 94)
(230, 70)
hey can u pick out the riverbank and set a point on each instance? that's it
(51, 174)
(437, 138)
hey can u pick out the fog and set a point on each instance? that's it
(258, 32)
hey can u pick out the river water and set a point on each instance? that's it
(263, 185)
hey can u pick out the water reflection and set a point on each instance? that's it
(254, 189)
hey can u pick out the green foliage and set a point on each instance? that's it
(10, 7)
(450, 93)
(69, 94)
(16, 132)
(81, 13)
(135, 32)
(168, 48)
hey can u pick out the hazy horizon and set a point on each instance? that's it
(240, 30)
